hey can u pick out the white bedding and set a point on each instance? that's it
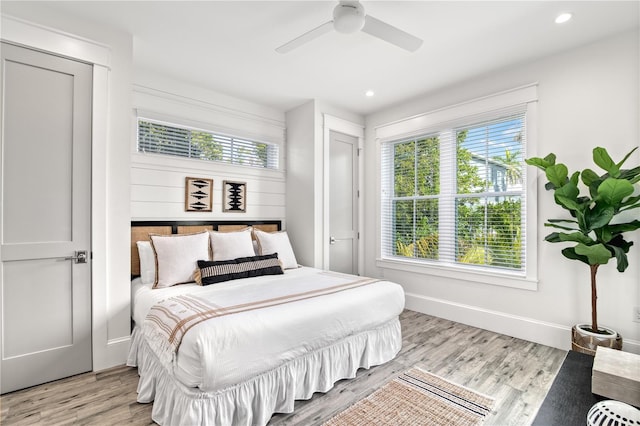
(242, 368)
(219, 353)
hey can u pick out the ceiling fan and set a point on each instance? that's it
(349, 17)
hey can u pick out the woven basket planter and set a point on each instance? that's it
(586, 341)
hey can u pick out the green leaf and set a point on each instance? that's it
(599, 216)
(567, 202)
(613, 191)
(619, 241)
(550, 159)
(626, 157)
(577, 237)
(601, 158)
(537, 162)
(574, 178)
(570, 253)
(619, 228)
(632, 175)
(553, 237)
(603, 234)
(589, 177)
(557, 174)
(568, 190)
(630, 201)
(597, 254)
(621, 259)
(552, 225)
(561, 220)
(567, 196)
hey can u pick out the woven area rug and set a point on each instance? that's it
(417, 398)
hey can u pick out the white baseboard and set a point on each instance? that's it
(545, 333)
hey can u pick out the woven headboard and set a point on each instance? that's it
(140, 231)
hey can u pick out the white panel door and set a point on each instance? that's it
(45, 176)
(343, 203)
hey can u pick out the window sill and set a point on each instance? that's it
(461, 273)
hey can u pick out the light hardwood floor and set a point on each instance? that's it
(515, 372)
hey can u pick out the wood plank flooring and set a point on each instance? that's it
(515, 372)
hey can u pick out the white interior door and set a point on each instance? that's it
(343, 203)
(45, 176)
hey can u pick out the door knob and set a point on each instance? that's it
(80, 256)
(332, 240)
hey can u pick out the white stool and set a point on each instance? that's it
(610, 412)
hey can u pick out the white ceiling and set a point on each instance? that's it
(228, 46)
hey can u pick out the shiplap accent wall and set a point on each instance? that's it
(158, 181)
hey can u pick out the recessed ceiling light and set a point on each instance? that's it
(563, 17)
(369, 93)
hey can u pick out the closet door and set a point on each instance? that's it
(45, 176)
(343, 203)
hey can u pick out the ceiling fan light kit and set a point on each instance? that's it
(349, 17)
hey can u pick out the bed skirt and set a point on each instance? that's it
(254, 401)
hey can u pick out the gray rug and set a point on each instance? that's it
(570, 397)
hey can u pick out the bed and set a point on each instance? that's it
(250, 345)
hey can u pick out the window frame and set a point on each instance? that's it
(233, 160)
(523, 99)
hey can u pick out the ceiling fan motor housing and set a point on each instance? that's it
(348, 17)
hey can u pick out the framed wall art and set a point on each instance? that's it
(234, 197)
(198, 194)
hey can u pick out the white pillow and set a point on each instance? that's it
(147, 262)
(277, 242)
(231, 245)
(177, 257)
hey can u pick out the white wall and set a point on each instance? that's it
(303, 220)
(111, 286)
(157, 181)
(587, 97)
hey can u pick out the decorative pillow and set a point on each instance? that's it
(277, 242)
(147, 262)
(211, 272)
(231, 245)
(177, 257)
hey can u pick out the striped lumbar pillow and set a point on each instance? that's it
(211, 272)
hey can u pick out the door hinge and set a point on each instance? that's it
(358, 235)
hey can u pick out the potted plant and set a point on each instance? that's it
(595, 235)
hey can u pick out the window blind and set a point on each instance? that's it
(456, 196)
(171, 139)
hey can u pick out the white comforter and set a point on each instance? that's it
(222, 352)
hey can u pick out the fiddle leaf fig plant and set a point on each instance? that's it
(596, 239)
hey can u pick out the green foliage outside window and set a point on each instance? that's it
(487, 228)
(169, 139)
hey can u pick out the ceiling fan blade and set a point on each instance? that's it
(306, 37)
(391, 34)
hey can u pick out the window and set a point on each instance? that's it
(171, 139)
(455, 196)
